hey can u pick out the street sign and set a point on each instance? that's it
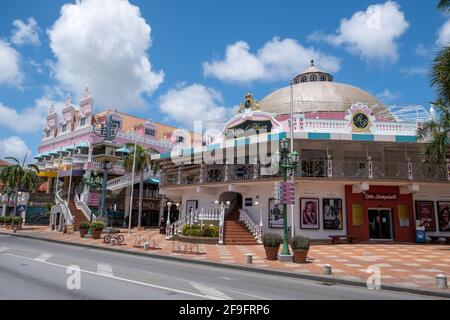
(284, 192)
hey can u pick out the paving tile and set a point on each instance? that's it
(420, 276)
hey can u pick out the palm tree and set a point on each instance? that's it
(19, 177)
(142, 163)
(440, 75)
(437, 132)
(444, 5)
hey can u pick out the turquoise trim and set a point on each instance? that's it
(242, 142)
(212, 147)
(405, 139)
(277, 136)
(153, 180)
(83, 145)
(123, 150)
(319, 136)
(188, 151)
(363, 137)
(165, 155)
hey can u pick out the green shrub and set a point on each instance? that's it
(272, 240)
(8, 220)
(17, 221)
(196, 231)
(97, 225)
(2, 220)
(300, 243)
(85, 225)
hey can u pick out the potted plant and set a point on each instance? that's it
(17, 222)
(271, 243)
(8, 221)
(84, 228)
(300, 246)
(97, 228)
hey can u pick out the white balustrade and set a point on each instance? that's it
(125, 181)
(81, 205)
(254, 228)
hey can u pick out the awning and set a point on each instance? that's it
(47, 174)
(39, 156)
(83, 145)
(123, 150)
(153, 181)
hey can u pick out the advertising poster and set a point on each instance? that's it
(332, 214)
(275, 214)
(425, 213)
(309, 213)
(444, 216)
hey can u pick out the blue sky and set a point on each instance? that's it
(176, 61)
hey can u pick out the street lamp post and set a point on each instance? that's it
(222, 208)
(288, 162)
(169, 206)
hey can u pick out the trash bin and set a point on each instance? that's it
(421, 236)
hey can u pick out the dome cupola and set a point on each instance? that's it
(313, 74)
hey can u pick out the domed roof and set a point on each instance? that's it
(317, 97)
(315, 91)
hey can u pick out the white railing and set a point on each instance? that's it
(125, 181)
(81, 205)
(254, 228)
(68, 218)
(210, 214)
(175, 228)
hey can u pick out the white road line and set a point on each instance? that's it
(3, 249)
(249, 295)
(118, 278)
(105, 270)
(43, 257)
(210, 292)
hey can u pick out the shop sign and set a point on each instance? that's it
(357, 215)
(380, 196)
(249, 128)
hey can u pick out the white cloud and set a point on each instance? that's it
(388, 96)
(371, 34)
(31, 119)
(10, 72)
(14, 147)
(415, 71)
(276, 60)
(196, 102)
(26, 33)
(423, 51)
(104, 43)
(444, 35)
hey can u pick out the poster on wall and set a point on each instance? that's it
(309, 213)
(191, 205)
(403, 216)
(357, 215)
(275, 214)
(332, 214)
(444, 216)
(425, 213)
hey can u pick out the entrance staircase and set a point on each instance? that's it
(78, 215)
(126, 180)
(236, 232)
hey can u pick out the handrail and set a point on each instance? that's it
(125, 181)
(83, 207)
(175, 228)
(254, 228)
(65, 208)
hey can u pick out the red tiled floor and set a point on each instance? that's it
(410, 265)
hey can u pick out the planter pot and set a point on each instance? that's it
(83, 232)
(96, 234)
(8, 227)
(197, 240)
(271, 252)
(300, 256)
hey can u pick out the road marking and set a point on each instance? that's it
(105, 270)
(43, 257)
(3, 249)
(250, 295)
(117, 278)
(224, 278)
(209, 292)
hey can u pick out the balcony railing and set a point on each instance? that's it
(319, 169)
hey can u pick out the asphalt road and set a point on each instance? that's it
(34, 269)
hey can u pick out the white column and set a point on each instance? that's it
(330, 167)
(4, 204)
(410, 170)
(370, 167)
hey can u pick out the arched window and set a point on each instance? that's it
(303, 79)
(313, 78)
(323, 77)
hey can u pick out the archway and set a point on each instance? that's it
(235, 199)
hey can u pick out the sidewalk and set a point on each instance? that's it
(409, 266)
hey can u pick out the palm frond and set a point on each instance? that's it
(444, 5)
(13, 159)
(440, 75)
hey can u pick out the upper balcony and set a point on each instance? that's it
(312, 169)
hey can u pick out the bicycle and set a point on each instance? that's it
(115, 238)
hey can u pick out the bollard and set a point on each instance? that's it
(441, 281)
(249, 258)
(327, 269)
(146, 246)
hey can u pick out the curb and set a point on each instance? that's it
(326, 279)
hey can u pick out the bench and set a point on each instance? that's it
(350, 239)
(436, 239)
